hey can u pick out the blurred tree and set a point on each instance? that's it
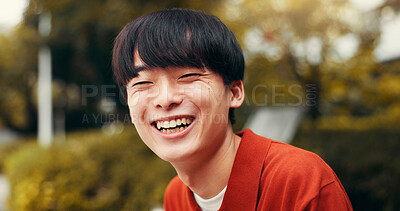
(296, 38)
(293, 51)
(17, 79)
(324, 49)
(81, 41)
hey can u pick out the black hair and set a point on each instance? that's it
(177, 38)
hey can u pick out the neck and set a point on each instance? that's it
(213, 168)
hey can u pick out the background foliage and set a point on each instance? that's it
(81, 41)
(292, 59)
(92, 171)
(364, 160)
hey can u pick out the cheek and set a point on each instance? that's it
(199, 92)
(190, 91)
(206, 96)
(136, 107)
(214, 97)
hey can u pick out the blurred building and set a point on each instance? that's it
(277, 123)
(7, 135)
(4, 190)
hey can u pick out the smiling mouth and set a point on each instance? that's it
(173, 126)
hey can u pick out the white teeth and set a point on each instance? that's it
(172, 123)
(175, 130)
(166, 124)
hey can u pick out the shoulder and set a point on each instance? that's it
(291, 162)
(281, 152)
(284, 160)
(299, 177)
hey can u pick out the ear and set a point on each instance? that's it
(236, 94)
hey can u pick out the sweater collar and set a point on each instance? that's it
(243, 184)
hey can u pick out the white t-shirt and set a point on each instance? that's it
(212, 204)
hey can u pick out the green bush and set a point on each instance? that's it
(90, 171)
(7, 149)
(366, 162)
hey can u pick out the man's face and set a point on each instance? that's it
(179, 112)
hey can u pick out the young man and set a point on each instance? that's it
(181, 72)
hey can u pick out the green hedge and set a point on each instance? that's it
(7, 149)
(366, 162)
(91, 171)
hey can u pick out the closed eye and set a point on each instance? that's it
(190, 75)
(141, 83)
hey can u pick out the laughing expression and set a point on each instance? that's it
(179, 112)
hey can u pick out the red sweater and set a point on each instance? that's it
(270, 175)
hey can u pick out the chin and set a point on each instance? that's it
(174, 156)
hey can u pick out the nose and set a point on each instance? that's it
(168, 96)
